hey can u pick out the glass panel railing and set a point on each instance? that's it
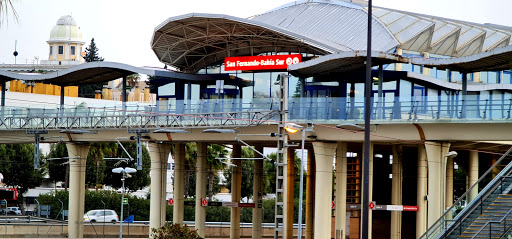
(453, 222)
(448, 109)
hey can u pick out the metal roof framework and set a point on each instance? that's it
(193, 41)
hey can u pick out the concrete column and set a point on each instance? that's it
(370, 192)
(473, 174)
(310, 195)
(341, 190)
(179, 183)
(435, 157)
(289, 192)
(398, 66)
(426, 71)
(201, 183)
(257, 191)
(77, 158)
(324, 153)
(158, 153)
(396, 192)
(236, 192)
(421, 215)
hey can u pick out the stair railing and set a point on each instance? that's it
(440, 230)
(489, 223)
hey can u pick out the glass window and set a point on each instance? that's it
(167, 90)
(51, 50)
(507, 75)
(247, 92)
(61, 50)
(73, 50)
(262, 83)
(294, 87)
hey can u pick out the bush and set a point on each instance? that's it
(174, 231)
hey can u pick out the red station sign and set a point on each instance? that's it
(249, 63)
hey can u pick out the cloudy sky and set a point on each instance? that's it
(122, 29)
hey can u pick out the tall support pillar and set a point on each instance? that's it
(421, 215)
(396, 192)
(324, 153)
(473, 174)
(341, 191)
(159, 153)
(77, 158)
(310, 195)
(370, 192)
(257, 192)
(179, 183)
(289, 195)
(236, 191)
(201, 182)
(421, 192)
(435, 159)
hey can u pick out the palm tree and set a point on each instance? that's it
(190, 161)
(5, 7)
(214, 151)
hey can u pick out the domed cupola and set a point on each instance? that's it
(66, 41)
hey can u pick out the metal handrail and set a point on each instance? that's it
(489, 222)
(464, 213)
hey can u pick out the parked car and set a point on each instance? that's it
(101, 215)
(13, 211)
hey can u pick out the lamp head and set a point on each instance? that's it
(451, 154)
(292, 127)
(117, 170)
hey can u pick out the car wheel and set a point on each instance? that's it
(114, 221)
(93, 220)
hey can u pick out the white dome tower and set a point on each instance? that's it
(65, 42)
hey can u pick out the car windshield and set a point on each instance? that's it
(90, 213)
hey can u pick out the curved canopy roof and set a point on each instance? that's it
(87, 73)
(191, 42)
(104, 71)
(494, 60)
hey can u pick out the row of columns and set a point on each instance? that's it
(432, 166)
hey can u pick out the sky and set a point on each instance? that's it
(122, 29)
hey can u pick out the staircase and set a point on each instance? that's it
(493, 221)
(488, 215)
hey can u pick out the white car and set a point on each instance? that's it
(101, 215)
(13, 211)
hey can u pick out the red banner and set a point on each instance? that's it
(411, 208)
(248, 63)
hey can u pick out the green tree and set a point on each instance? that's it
(91, 52)
(17, 168)
(247, 174)
(91, 55)
(214, 151)
(96, 167)
(58, 164)
(190, 162)
(138, 180)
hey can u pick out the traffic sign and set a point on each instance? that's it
(125, 200)
(171, 201)
(333, 205)
(372, 205)
(204, 202)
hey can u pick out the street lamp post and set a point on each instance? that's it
(450, 154)
(292, 128)
(124, 174)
